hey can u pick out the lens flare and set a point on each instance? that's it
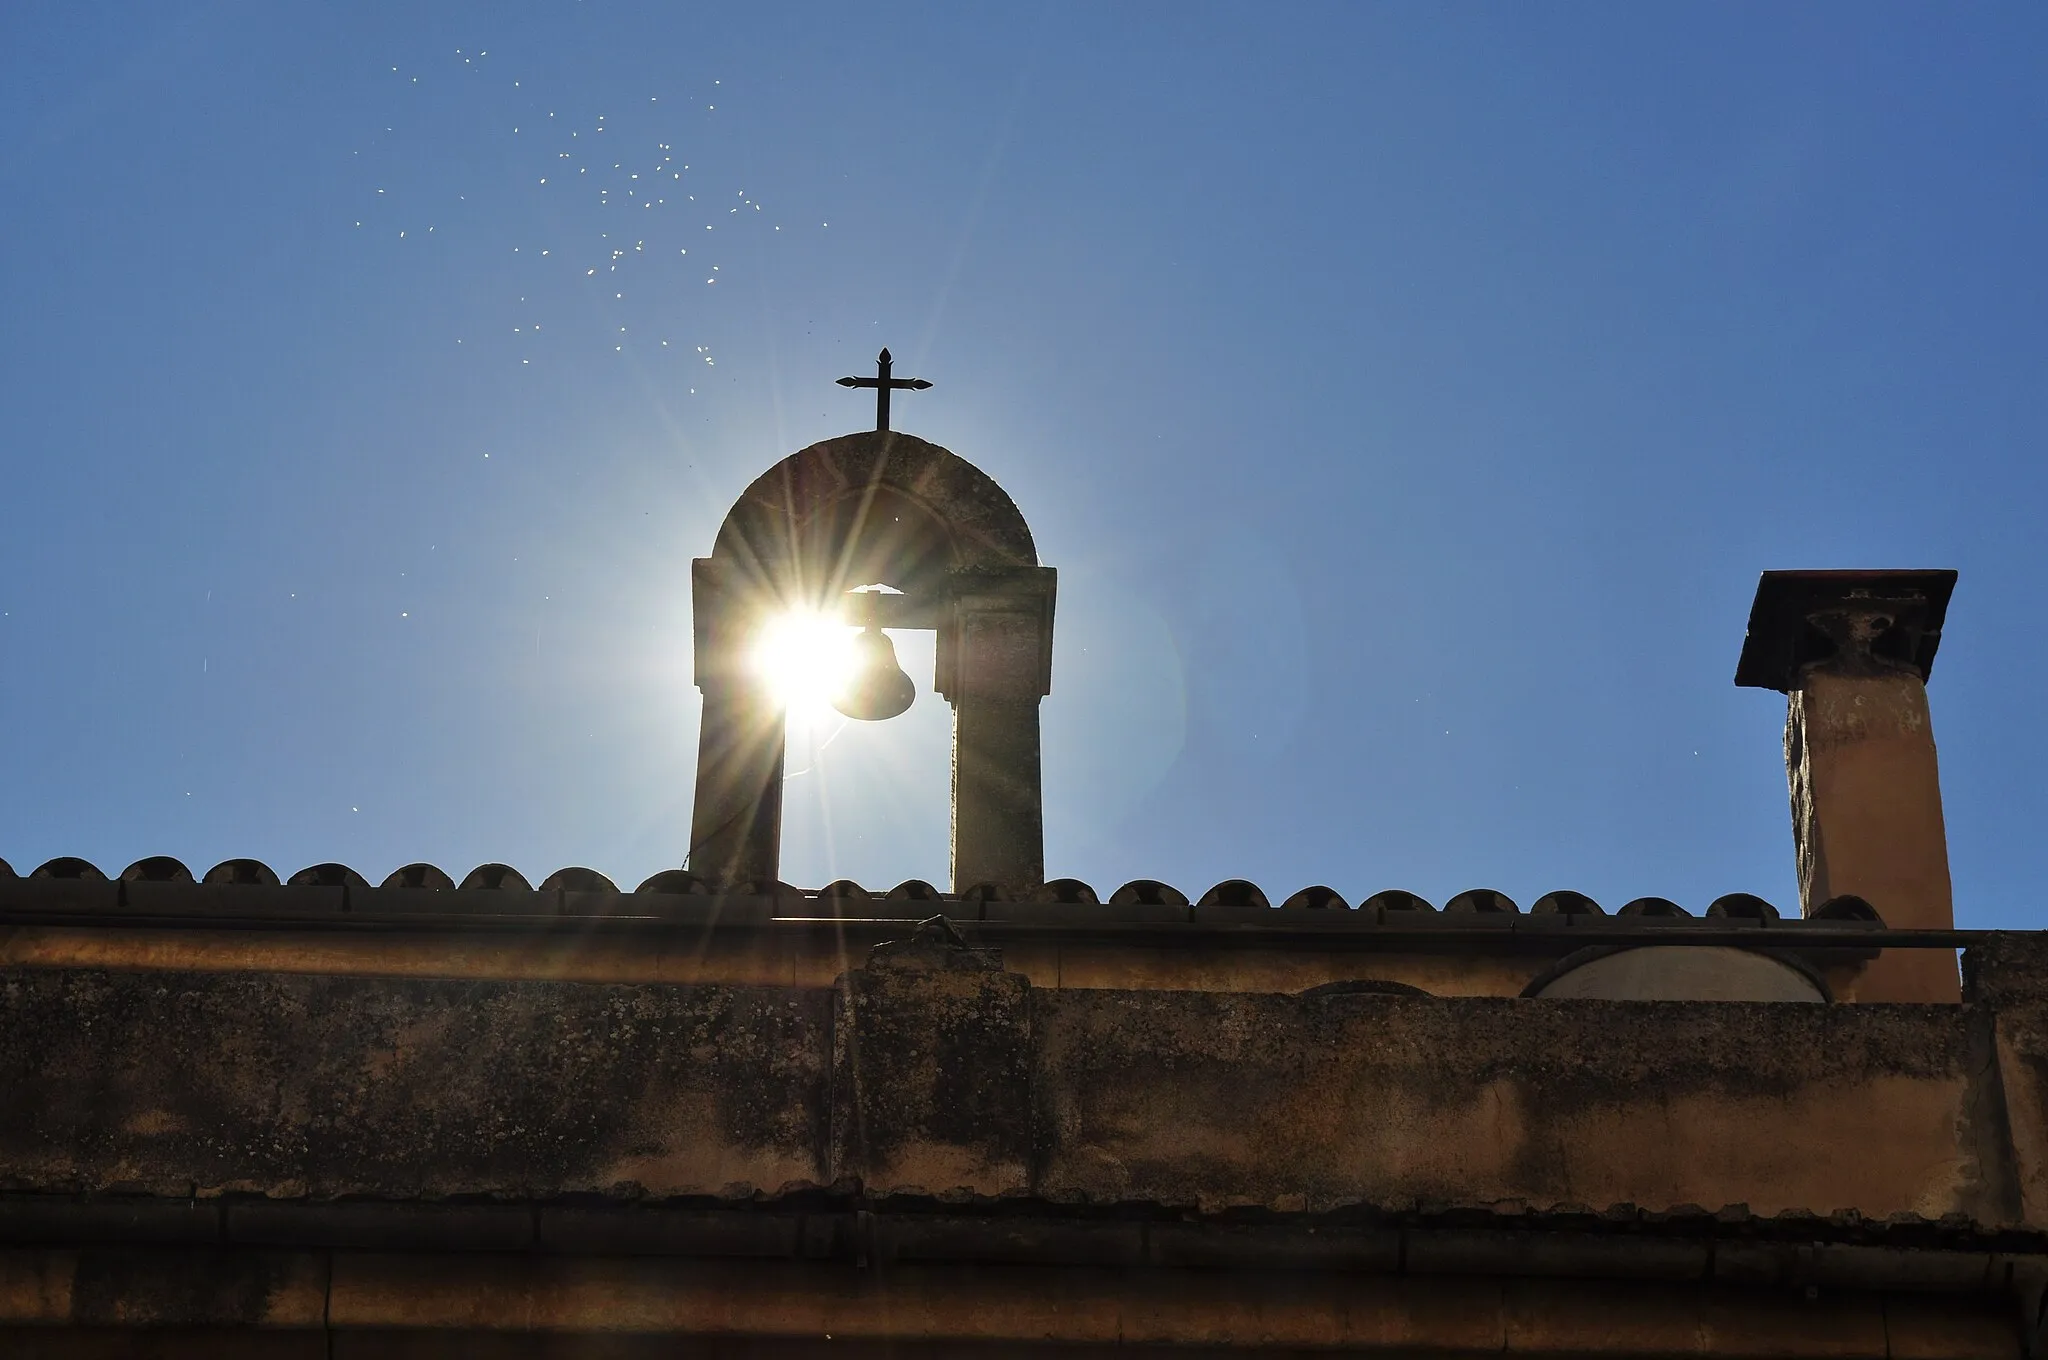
(806, 659)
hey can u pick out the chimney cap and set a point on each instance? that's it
(1795, 623)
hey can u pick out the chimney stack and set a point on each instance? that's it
(1852, 650)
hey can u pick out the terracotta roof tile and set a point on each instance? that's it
(1847, 907)
(1394, 901)
(327, 876)
(156, 869)
(149, 887)
(578, 880)
(244, 872)
(1148, 892)
(679, 881)
(419, 876)
(1741, 907)
(69, 866)
(1234, 892)
(1479, 902)
(496, 878)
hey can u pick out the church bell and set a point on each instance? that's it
(878, 687)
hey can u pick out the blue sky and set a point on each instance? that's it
(1408, 396)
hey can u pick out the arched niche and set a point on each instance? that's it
(887, 508)
(845, 495)
(1678, 973)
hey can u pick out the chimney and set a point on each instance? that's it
(1851, 650)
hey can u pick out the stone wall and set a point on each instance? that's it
(975, 1084)
(936, 1153)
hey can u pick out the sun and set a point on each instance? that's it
(806, 659)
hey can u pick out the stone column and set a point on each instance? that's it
(736, 828)
(1852, 651)
(995, 664)
(736, 825)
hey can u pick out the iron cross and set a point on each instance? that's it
(883, 385)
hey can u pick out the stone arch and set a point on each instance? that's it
(850, 508)
(879, 507)
(1674, 972)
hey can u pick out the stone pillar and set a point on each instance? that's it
(736, 826)
(995, 664)
(1852, 651)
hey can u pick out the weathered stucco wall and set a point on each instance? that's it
(306, 1085)
(973, 1083)
(938, 1154)
(1403, 1102)
(2009, 979)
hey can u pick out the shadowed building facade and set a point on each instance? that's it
(720, 1115)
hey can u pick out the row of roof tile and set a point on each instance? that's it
(836, 896)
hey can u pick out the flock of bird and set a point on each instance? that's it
(619, 209)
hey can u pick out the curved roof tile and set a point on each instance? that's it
(1847, 907)
(1234, 892)
(1480, 902)
(578, 880)
(1065, 901)
(1741, 907)
(671, 881)
(419, 876)
(1394, 900)
(69, 866)
(327, 876)
(156, 869)
(500, 877)
(1148, 892)
(248, 871)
